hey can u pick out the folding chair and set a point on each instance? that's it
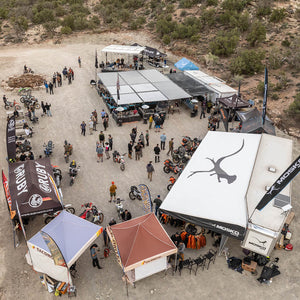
(210, 256)
(199, 262)
(188, 263)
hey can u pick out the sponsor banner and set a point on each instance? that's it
(7, 195)
(55, 251)
(265, 97)
(96, 60)
(146, 198)
(224, 117)
(118, 86)
(280, 183)
(11, 139)
(21, 222)
(31, 186)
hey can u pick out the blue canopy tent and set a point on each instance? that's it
(185, 65)
(57, 246)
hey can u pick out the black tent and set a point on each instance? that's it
(190, 85)
(32, 186)
(252, 122)
(233, 102)
(151, 52)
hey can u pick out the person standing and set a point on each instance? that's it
(47, 106)
(91, 126)
(101, 138)
(147, 137)
(79, 61)
(51, 88)
(110, 142)
(130, 146)
(104, 121)
(99, 151)
(112, 191)
(107, 150)
(157, 201)
(54, 79)
(83, 128)
(94, 256)
(137, 149)
(132, 136)
(171, 146)
(142, 139)
(46, 86)
(150, 170)
(58, 78)
(94, 123)
(150, 121)
(163, 139)
(203, 108)
(43, 108)
(156, 153)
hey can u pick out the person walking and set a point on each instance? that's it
(163, 139)
(47, 106)
(203, 108)
(99, 151)
(137, 149)
(157, 201)
(110, 142)
(142, 139)
(104, 121)
(94, 123)
(58, 78)
(43, 108)
(93, 250)
(79, 61)
(147, 137)
(156, 153)
(171, 146)
(112, 191)
(83, 128)
(130, 146)
(101, 138)
(51, 88)
(107, 150)
(46, 86)
(91, 126)
(150, 122)
(133, 137)
(150, 170)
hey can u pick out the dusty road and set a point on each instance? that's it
(71, 104)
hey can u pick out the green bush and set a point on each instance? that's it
(183, 13)
(257, 33)
(21, 24)
(294, 108)
(50, 26)
(68, 21)
(66, 30)
(78, 8)
(277, 15)
(80, 22)
(165, 26)
(170, 8)
(294, 55)
(240, 21)
(264, 8)
(208, 17)
(237, 5)
(224, 43)
(60, 11)
(212, 2)
(43, 16)
(275, 59)
(285, 43)
(247, 62)
(166, 39)
(3, 13)
(275, 96)
(95, 20)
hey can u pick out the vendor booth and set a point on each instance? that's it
(233, 102)
(220, 186)
(32, 186)
(58, 245)
(142, 246)
(214, 84)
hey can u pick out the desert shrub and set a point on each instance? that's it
(275, 96)
(208, 17)
(212, 2)
(183, 13)
(3, 13)
(264, 8)
(95, 20)
(165, 26)
(277, 15)
(224, 43)
(186, 3)
(257, 33)
(60, 11)
(285, 43)
(50, 26)
(129, 4)
(247, 62)
(66, 30)
(68, 21)
(294, 55)
(43, 16)
(170, 8)
(275, 59)
(20, 23)
(294, 108)
(124, 15)
(282, 82)
(80, 22)
(166, 39)
(151, 25)
(78, 8)
(240, 21)
(237, 5)
(297, 14)
(138, 23)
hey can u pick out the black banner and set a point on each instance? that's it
(11, 138)
(224, 117)
(265, 97)
(96, 60)
(280, 183)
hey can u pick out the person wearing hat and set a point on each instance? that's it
(157, 201)
(112, 191)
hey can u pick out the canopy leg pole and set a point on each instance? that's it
(223, 242)
(175, 266)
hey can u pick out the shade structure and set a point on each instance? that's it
(141, 240)
(184, 64)
(32, 186)
(141, 86)
(233, 101)
(123, 49)
(71, 234)
(120, 108)
(212, 188)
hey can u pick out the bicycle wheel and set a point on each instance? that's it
(139, 197)
(101, 217)
(169, 186)
(48, 220)
(176, 159)
(131, 196)
(37, 106)
(22, 99)
(70, 210)
(166, 169)
(71, 181)
(18, 107)
(181, 151)
(122, 167)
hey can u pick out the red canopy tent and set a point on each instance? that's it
(142, 246)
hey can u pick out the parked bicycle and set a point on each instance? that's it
(49, 216)
(91, 210)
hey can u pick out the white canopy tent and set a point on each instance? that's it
(72, 236)
(124, 49)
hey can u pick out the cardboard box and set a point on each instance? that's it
(251, 267)
(290, 218)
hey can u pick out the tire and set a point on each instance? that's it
(101, 218)
(176, 159)
(122, 167)
(6, 107)
(167, 169)
(28, 148)
(18, 107)
(37, 106)
(169, 186)
(131, 196)
(97, 222)
(48, 220)
(58, 171)
(184, 160)
(71, 181)
(139, 197)
(181, 151)
(70, 210)
(22, 99)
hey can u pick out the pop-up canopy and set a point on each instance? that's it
(58, 245)
(184, 65)
(32, 186)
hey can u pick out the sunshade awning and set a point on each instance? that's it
(123, 49)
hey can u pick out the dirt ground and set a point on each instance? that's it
(71, 104)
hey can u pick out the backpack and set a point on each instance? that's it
(106, 252)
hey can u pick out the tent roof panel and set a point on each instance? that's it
(145, 87)
(171, 90)
(124, 89)
(110, 79)
(213, 185)
(133, 77)
(271, 148)
(153, 76)
(134, 50)
(152, 96)
(127, 99)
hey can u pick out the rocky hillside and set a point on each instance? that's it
(233, 39)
